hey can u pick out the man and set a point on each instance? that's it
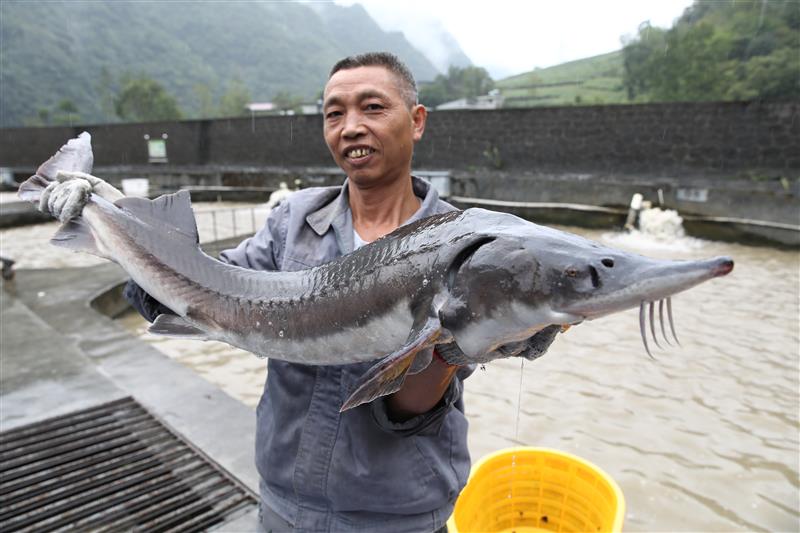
(398, 463)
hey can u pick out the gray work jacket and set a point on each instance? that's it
(354, 471)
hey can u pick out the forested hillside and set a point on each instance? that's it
(742, 50)
(739, 50)
(68, 61)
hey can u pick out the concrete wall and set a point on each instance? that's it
(713, 159)
(693, 138)
(726, 139)
(767, 200)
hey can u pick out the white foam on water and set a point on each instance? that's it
(659, 229)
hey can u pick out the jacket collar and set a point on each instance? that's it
(337, 212)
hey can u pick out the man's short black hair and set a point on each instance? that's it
(390, 62)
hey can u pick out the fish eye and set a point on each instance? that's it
(571, 272)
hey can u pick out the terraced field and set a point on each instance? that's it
(593, 80)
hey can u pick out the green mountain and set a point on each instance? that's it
(743, 50)
(590, 80)
(71, 56)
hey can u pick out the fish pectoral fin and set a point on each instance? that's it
(175, 326)
(421, 360)
(388, 374)
(76, 235)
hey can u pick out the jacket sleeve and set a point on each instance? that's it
(146, 305)
(262, 251)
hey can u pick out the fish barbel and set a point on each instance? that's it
(482, 281)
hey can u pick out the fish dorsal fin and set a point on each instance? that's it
(175, 210)
(388, 374)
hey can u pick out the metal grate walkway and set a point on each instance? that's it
(109, 468)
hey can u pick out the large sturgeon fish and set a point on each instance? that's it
(484, 282)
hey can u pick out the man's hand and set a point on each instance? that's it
(65, 197)
(422, 391)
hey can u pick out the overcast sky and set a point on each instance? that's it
(513, 36)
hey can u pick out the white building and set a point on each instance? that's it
(493, 100)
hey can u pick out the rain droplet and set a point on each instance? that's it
(280, 333)
(424, 282)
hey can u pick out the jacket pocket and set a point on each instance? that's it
(372, 470)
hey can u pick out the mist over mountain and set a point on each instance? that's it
(77, 51)
(426, 34)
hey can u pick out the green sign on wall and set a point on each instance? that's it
(157, 150)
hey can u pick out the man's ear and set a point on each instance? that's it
(419, 114)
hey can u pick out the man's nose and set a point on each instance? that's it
(353, 125)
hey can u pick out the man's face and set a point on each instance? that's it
(369, 128)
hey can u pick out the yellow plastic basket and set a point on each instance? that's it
(537, 489)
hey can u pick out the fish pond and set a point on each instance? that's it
(703, 438)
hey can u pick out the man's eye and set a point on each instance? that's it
(374, 107)
(333, 114)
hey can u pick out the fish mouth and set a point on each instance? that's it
(723, 267)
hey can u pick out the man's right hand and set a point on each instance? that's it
(65, 197)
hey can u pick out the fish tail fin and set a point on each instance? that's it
(75, 155)
(31, 189)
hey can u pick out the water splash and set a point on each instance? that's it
(660, 229)
(662, 224)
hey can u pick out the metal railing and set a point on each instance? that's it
(219, 224)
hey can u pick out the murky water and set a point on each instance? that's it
(704, 438)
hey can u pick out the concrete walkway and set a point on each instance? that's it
(58, 354)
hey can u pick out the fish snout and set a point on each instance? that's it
(722, 267)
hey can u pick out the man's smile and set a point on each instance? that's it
(358, 153)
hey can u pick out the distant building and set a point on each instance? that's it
(257, 108)
(311, 109)
(493, 100)
(269, 108)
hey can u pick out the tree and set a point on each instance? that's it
(66, 113)
(106, 91)
(637, 56)
(143, 99)
(234, 102)
(467, 82)
(285, 101)
(718, 51)
(205, 100)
